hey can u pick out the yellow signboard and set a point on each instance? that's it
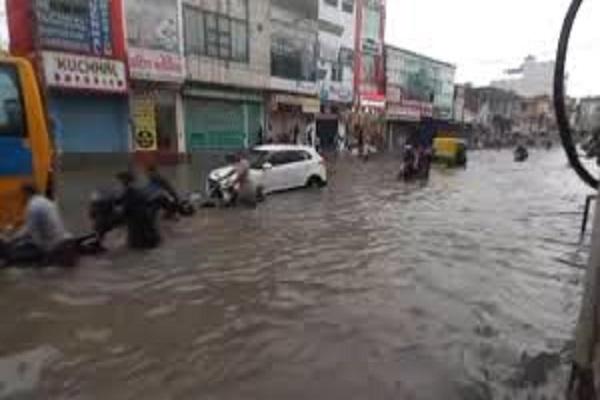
(144, 119)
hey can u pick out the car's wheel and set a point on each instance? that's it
(315, 182)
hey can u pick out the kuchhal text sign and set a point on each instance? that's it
(71, 71)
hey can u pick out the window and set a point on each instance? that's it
(257, 158)
(12, 118)
(369, 68)
(215, 35)
(348, 6)
(337, 72)
(239, 40)
(293, 53)
(333, 3)
(372, 23)
(212, 35)
(279, 158)
(287, 157)
(306, 156)
(295, 156)
(194, 32)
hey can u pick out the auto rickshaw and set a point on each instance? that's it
(450, 151)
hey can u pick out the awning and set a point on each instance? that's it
(309, 105)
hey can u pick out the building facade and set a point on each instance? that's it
(537, 119)
(335, 68)
(587, 116)
(533, 78)
(157, 73)
(369, 65)
(78, 49)
(418, 88)
(227, 59)
(294, 99)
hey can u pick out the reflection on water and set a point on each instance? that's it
(467, 288)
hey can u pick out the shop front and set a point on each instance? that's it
(87, 103)
(292, 117)
(155, 123)
(404, 121)
(79, 52)
(157, 72)
(222, 120)
(336, 104)
(368, 119)
(332, 124)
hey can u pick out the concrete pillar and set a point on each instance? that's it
(180, 124)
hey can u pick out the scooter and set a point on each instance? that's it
(223, 192)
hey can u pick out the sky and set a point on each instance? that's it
(484, 37)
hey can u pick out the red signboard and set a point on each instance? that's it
(20, 27)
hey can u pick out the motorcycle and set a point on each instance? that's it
(521, 154)
(222, 191)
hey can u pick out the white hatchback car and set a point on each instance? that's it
(281, 167)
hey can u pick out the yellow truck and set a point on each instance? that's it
(26, 154)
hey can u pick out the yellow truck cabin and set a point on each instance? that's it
(25, 147)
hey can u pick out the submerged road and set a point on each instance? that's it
(466, 288)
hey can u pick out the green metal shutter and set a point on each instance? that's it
(254, 115)
(215, 124)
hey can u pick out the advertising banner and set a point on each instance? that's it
(82, 26)
(154, 40)
(144, 120)
(71, 71)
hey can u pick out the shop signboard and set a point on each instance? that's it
(80, 26)
(309, 105)
(336, 92)
(154, 40)
(144, 121)
(72, 71)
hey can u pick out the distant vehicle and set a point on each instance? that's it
(450, 151)
(26, 153)
(521, 154)
(275, 168)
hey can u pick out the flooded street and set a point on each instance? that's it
(467, 288)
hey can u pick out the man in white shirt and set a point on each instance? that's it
(43, 234)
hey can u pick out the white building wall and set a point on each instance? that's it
(254, 74)
(533, 78)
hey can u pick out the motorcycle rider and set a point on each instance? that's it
(244, 187)
(43, 237)
(139, 214)
(166, 195)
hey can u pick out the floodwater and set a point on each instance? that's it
(466, 288)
